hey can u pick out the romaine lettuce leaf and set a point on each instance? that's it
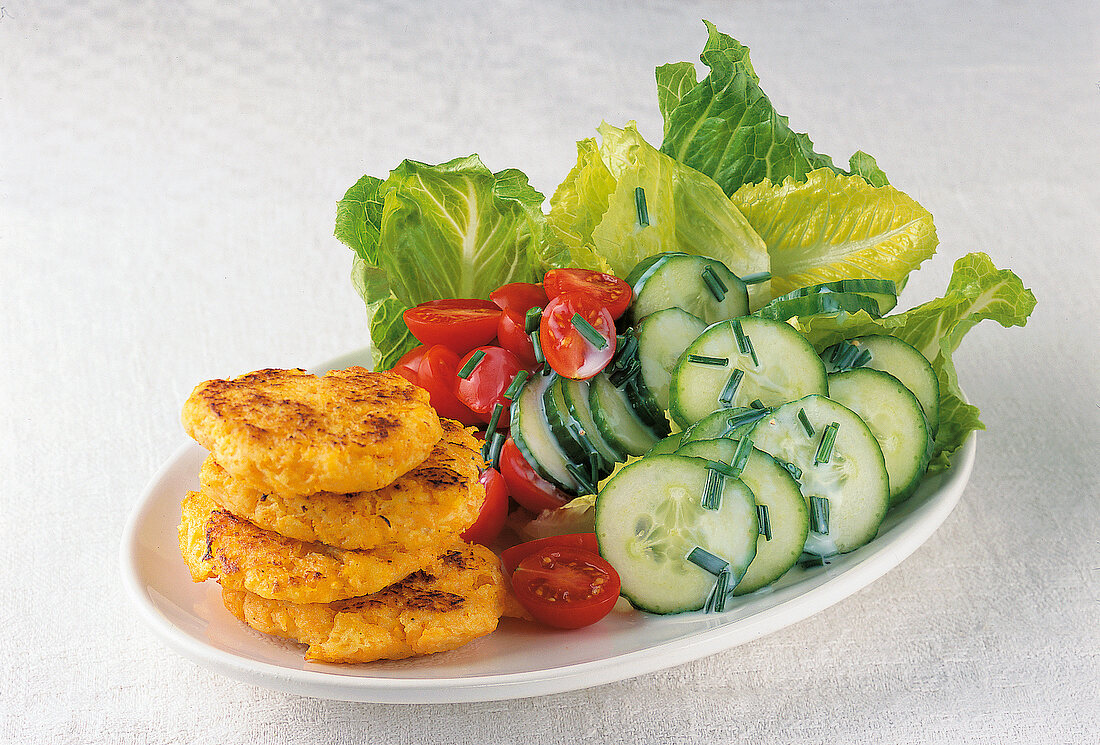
(831, 226)
(977, 291)
(727, 128)
(594, 211)
(450, 230)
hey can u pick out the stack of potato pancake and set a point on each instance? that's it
(330, 511)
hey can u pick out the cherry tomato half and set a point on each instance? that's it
(460, 324)
(519, 297)
(494, 510)
(408, 366)
(606, 289)
(566, 587)
(567, 350)
(438, 374)
(526, 487)
(512, 335)
(512, 556)
(486, 383)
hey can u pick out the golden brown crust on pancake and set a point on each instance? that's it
(243, 556)
(430, 504)
(457, 598)
(291, 432)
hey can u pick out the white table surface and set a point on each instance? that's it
(168, 176)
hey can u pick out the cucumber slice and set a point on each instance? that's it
(785, 368)
(575, 393)
(729, 423)
(662, 338)
(903, 361)
(570, 435)
(896, 420)
(853, 479)
(679, 280)
(616, 418)
(818, 304)
(775, 489)
(883, 291)
(531, 434)
(649, 517)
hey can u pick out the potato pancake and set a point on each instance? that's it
(430, 504)
(456, 599)
(243, 556)
(290, 432)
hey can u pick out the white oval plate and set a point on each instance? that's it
(519, 659)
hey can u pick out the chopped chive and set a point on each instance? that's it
(495, 444)
(582, 478)
(742, 418)
(588, 331)
(744, 343)
(593, 462)
(494, 418)
(764, 520)
(756, 278)
(805, 422)
(716, 600)
(536, 343)
(712, 490)
(700, 359)
(758, 404)
(471, 363)
(532, 318)
(714, 283)
(729, 390)
(825, 449)
(517, 385)
(819, 515)
(707, 561)
(741, 456)
(720, 568)
(847, 355)
(640, 206)
(620, 376)
(722, 468)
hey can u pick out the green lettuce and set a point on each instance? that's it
(440, 231)
(594, 211)
(977, 291)
(726, 127)
(832, 226)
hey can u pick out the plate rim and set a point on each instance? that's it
(513, 685)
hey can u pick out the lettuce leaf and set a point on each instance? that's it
(977, 291)
(594, 211)
(437, 231)
(727, 128)
(832, 227)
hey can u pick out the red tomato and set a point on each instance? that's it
(493, 510)
(485, 385)
(566, 349)
(459, 324)
(512, 335)
(511, 557)
(526, 487)
(519, 297)
(408, 366)
(566, 587)
(606, 289)
(438, 374)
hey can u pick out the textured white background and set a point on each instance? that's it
(168, 176)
